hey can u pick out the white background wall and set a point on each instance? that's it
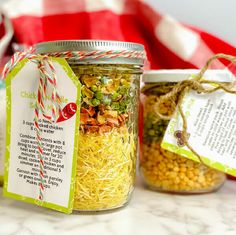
(215, 16)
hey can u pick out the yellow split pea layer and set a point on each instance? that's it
(171, 172)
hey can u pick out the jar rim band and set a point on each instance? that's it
(178, 75)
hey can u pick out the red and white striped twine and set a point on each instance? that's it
(48, 77)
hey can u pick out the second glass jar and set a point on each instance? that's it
(163, 170)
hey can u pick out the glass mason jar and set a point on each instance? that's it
(163, 170)
(2, 128)
(107, 145)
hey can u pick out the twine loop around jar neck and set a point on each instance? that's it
(197, 83)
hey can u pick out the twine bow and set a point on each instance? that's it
(47, 79)
(178, 91)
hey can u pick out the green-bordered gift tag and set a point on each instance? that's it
(45, 179)
(211, 128)
(2, 127)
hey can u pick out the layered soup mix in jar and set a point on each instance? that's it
(163, 170)
(107, 145)
(2, 128)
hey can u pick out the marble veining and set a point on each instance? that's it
(149, 213)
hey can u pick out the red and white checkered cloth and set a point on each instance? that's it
(168, 43)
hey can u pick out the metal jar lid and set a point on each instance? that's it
(177, 75)
(93, 45)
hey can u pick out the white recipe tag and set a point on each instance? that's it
(58, 140)
(211, 121)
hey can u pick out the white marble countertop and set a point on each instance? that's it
(149, 213)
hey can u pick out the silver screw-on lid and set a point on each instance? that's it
(94, 45)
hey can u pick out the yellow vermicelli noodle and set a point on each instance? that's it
(105, 169)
